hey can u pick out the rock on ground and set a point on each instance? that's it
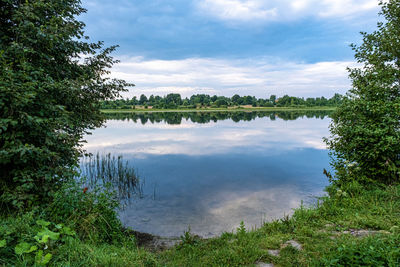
(294, 244)
(274, 252)
(262, 264)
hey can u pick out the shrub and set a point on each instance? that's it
(92, 211)
(365, 136)
(22, 239)
(49, 96)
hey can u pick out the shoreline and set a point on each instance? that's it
(108, 111)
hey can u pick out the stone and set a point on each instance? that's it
(274, 252)
(363, 233)
(263, 264)
(359, 233)
(293, 243)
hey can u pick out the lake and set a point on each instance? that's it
(210, 171)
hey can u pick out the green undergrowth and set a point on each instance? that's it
(80, 227)
(89, 234)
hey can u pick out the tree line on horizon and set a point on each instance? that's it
(172, 101)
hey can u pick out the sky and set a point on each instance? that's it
(226, 47)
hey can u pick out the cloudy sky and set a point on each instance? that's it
(223, 47)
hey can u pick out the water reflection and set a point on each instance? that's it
(206, 117)
(212, 174)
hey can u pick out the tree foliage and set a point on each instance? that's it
(173, 101)
(52, 80)
(365, 132)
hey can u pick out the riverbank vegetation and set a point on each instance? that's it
(203, 101)
(142, 109)
(49, 99)
(352, 226)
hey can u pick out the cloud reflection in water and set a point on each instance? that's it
(212, 176)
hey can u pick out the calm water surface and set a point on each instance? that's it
(211, 173)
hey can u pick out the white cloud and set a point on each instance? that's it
(238, 10)
(343, 8)
(274, 10)
(260, 77)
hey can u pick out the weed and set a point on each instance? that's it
(189, 239)
(114, 171)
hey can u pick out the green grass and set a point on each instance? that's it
(216, 109)
(321, 230)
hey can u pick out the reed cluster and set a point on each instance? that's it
(110, 170)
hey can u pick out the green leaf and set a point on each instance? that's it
(43, 239)
(39, 256)
(44, 236)
(21, 248)
(24, 247)
(67, 231)
(33, 248)
(43, 223)
(3, 243)
(46, 259)
(40, 260)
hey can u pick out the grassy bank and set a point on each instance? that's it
(351, 228)
(354, 227)
(217, 109)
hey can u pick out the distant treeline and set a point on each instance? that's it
(206, 117)
(174, 101)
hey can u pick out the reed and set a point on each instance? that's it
(114, 171)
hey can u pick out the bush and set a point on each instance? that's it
(32, 242)
(78, 219)
(49, 96)
(27, 240)
(92, 211)
(365, 136)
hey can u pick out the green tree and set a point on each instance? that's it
(173, 99)
(235, 99)
(52, 82)
(151, 100)
(143, 99)
(365, 131)
(272, 99)
(221, 102)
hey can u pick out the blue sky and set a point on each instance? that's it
(223, 47)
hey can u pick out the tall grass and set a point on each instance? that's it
(114, 171)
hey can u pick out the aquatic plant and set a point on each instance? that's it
(113, 171)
